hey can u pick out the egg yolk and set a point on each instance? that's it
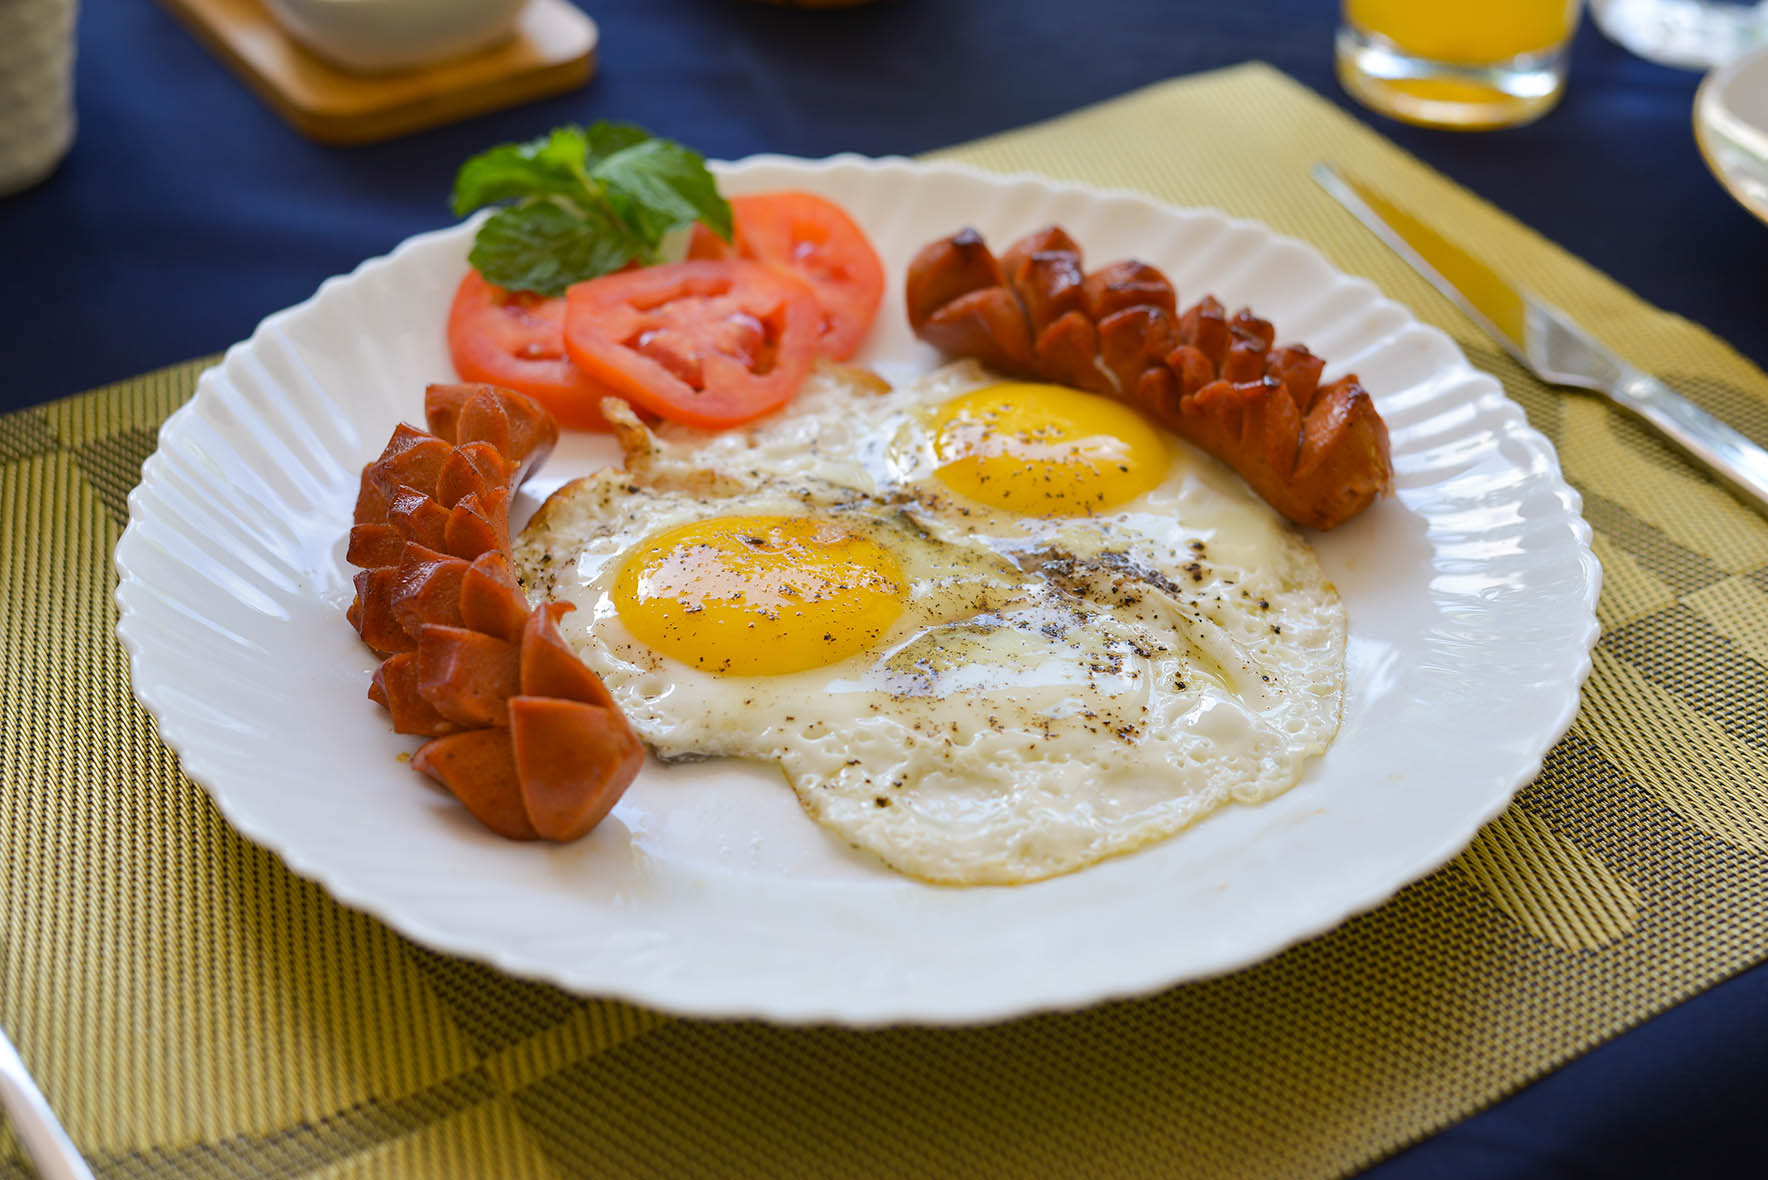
(1043, 450)
(759, 595)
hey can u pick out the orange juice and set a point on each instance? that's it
(1467, 32)
(1456, 63)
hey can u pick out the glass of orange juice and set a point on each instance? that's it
(1456, 63)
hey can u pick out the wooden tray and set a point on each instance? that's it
(553, 50)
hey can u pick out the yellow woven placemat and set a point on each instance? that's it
(193, 1009)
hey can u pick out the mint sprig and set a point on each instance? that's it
(585, 202)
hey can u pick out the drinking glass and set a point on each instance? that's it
(1694, 34)
(1456, 63)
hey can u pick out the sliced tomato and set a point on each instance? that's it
(516, 339)
(706, 246)
(704, 343)
(814, 239)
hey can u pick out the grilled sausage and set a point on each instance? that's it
(1318, 454)
(521, 731)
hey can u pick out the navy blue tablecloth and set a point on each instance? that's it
(187, 211)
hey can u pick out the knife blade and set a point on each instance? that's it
(1550, 344)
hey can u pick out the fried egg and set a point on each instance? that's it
(990, 633)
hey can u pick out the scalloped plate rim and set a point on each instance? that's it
(358, 893)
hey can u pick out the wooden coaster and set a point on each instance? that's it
(553, 50)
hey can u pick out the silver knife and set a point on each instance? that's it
(1550, 344)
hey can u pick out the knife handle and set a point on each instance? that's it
(1734, 459)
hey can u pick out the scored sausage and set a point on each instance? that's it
(1317, 453)
(521, 731)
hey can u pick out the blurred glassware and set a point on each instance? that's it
(36, 89)
(1694, 34)
(1468, 64)
(1731, 127)
(380, 36)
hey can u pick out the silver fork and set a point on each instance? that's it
(34, 1123)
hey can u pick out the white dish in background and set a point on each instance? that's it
(1471, 600)
(383, 36)
(1731, 128)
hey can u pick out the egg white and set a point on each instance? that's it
(1056, 690)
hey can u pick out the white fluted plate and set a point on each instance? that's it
(1471, 598)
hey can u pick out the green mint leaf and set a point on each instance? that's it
(553, 165)
(602, 139)
(659, 185)
(546, 245)
(586, 201)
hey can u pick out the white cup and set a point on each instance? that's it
(36, 89)
(385, 36)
